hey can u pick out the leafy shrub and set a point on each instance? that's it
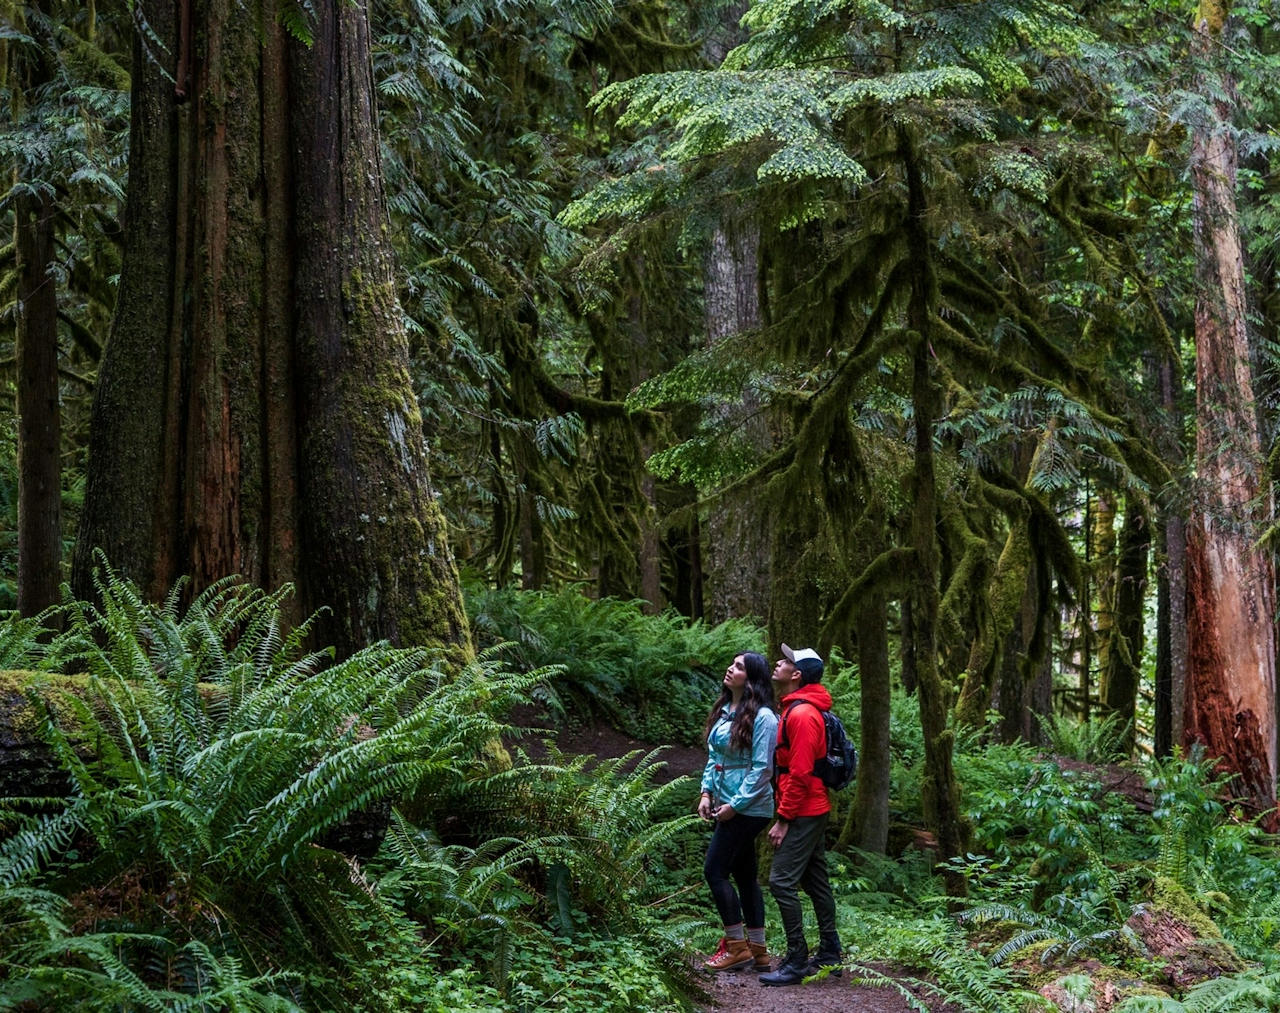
(654, 675)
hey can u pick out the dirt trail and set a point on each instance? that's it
(741, 992)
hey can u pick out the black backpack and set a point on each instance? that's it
(839, 767)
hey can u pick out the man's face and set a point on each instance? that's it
(785, 676)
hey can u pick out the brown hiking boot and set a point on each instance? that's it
(737, 954)
(761, 954)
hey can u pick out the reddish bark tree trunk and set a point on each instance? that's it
(1230, 698)
(39, 411)
(254, 411)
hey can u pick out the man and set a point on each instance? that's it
(802, 808)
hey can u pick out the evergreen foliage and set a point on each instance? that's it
(656, 675)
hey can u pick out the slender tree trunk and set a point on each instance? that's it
(533, 557)
(1230, 695)
(39, 410)
(906, 646)
(941, 796)
(1163, 739)
(1124, 655)
(1104, 570)
(1015, 688)
(254, 411)
(1179, 646)
(697, 600)
(871, 798)
(650, 549)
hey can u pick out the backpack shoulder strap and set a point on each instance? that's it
(785, 740)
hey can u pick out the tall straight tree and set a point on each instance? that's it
(39, 410)
(738, 534)
(36, 342)
(1230, 694)
(254, 411)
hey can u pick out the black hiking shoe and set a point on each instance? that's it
(793, 970)
(828, 955)
(823, 959)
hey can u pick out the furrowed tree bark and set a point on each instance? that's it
(369, 503)
(1124, 656)
(254, 412)
(1230, 697)
(737, 539)
(39, 409)
(1171, 605)
(940, 793)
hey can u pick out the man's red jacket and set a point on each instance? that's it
(800, 793)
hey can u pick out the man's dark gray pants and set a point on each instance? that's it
(801, 861)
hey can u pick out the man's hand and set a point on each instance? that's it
(777, 832)
(725, 812)
(704, 807)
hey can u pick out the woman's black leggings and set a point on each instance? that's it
(732, 852)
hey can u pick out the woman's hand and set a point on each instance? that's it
(704, 807)
(725, 812)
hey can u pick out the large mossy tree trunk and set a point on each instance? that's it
(254, 412)
(39, 407)
(1230, 694)
(941, 795)
(1005, 593)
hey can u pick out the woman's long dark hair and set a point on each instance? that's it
(757, 693)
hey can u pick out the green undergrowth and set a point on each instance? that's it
(260, 827)
(654, 676)
(1057, 866)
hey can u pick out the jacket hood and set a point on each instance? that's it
(815, 693)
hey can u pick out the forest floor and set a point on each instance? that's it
(602, 741)
(741, 992)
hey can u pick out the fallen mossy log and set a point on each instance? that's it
(30, 769)
(28, 766)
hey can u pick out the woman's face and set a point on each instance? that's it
(735, 676)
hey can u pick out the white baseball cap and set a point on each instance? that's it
(795, 656)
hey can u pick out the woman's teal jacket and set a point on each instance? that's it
(742, 781)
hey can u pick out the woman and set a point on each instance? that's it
(738, 794)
